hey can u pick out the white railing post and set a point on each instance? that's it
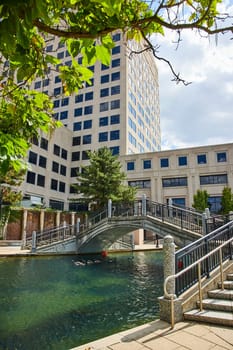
(78, 226)
(109, 208)
(33, 241)
(143, 205)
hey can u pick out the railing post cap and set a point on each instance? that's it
(168, 239)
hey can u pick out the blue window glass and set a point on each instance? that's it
(116, 62)
(115, 104)
(80, 60)
(31, 177)
(164, 162)
(103, 136)
(104, 67)
(68, 63)
(62, 186)
(174, 182)
(115, 150)
(40, 180)
(61, 44)
(115, 135)
(115, 76)
(37, 84)
(63, 170)
(130, 165)
(75, 156)
(116, 37)
(115, 90)
(85, 155)
(60, 55)
(103, 121)
(32, 157)
(87, 124)
(221, 157)
(63, 115)
(182, 160)
(91, 83)
(213, 179)
(92, 68)
(116, 50)
(77, 126)
(57, 79)
(57, 91)
(89, 96)
(86, 139)
(215, 204)
(104, 79)
(55, 167)
(49, 48)
(78, 112)
(67, 53)
(65, 101)
(115, 119)
(45, 82)
(103, 106)
(104, 92)
(180, 202)
(88, 110)
(54, 184)
(79, 98)
(76, 141)
(42, 162)
(56, 103)
(147, 164)
(201, 159)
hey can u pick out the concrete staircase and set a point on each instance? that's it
(217, 308)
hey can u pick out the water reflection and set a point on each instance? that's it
(51, 303)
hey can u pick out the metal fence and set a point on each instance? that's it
(196, 250)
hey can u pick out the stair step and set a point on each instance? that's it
(217, 304)
(210, 316)
(227, 284)
(230, 277)
(221, 294)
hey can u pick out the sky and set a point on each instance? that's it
(201, 113)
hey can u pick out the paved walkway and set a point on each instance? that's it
(158, 335)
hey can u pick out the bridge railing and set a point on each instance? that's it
(51, 235)
(196, 250)
(181, 217)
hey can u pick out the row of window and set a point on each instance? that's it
(49, 48)
(182, 160)
(182, 181)
(39, 180)
(59, 90)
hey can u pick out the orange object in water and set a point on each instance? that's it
(104, 253)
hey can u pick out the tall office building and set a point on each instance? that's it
(119, 109)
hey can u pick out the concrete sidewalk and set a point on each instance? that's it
(158, 335)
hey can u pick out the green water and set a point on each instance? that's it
(51, 303)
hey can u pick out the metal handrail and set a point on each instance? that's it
(198, 262)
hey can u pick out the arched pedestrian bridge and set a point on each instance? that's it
(101, 231)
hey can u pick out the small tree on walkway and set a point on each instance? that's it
(227, 200)
(200, 200)
(102, 180)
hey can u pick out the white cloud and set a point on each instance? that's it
(202, 112)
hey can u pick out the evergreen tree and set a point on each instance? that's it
(200, 200)
(102, 179)
(227, 200)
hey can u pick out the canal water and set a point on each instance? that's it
(56, 303)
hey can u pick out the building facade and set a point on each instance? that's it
(118, 109)
(177, 174)
(162, 176)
